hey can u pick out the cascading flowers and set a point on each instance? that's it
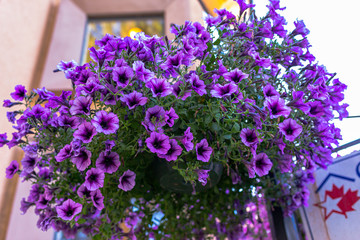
(244, 95)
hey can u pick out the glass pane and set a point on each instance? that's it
(97, 28)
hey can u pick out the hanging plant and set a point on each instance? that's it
(188, 138)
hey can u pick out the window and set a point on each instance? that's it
(96, 28)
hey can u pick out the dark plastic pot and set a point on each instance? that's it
(162, 174)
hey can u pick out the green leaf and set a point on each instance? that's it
(217, 41)
(81, 221)
(208, 119)
(215, 127)
(235, 128)
(227, 136)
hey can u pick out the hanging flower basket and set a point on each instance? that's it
(181, 139)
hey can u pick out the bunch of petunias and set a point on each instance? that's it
(247, 95)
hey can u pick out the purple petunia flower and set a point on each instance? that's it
(43, 201)
(290, 129)
(141, 72)
(65, 66)
(25, 205)
(83, 192)
(68, 209)
(81, 105)
(127, 180)
(122, 75)
(67, 121)
(300, 28)
(109, 144)
(203, 176)
(155, 118)
(262, 164)
(159, 87)
(82, 160)
(158, 143)
(97, 199)
(44, 93)
(186, 140)
(90, 88)
(108, 162)
(197, 84)
(277, 107)
(64, 153)
(19, 93)
(269, 91)
(235, 76)
(106, 123)
(29, 162)
(173, 153)
(94, 179)
(249, 138)
(316, 109)
(203, 151)
(298, 102)
(86, 132)
(170, 117)
(220, 91)
(182, 92)
(3, 139)
(100, 56)
(12, 169)
(134, 99)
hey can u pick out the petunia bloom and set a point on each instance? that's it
(290, 129)
(122, 75)
(127, 180)
(197, 84)
(203, 151)
(83, 192)
(100, 56)
(158, 143)
(316, 109)
(82, 160)
(64, 153)
(105, 122)
(235, 76)
(262, 164)
(97, 199)
(29, 162)
(186, 140)
(203, 176)
(155, 117)
(170, 117)
(68, 209)
(269, 91)
(134, 99)
(85, 133)
(277, 107)
(159, 87)
(94, 179)
(19, 93)
(81, 105)
(108, 162)
(249, 137)
(12, 169)
(173, 153)
(220, 91)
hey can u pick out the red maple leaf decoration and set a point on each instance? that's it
(347, 201)
(345, 204)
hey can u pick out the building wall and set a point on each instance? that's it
(36, 35)
(23, 25)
